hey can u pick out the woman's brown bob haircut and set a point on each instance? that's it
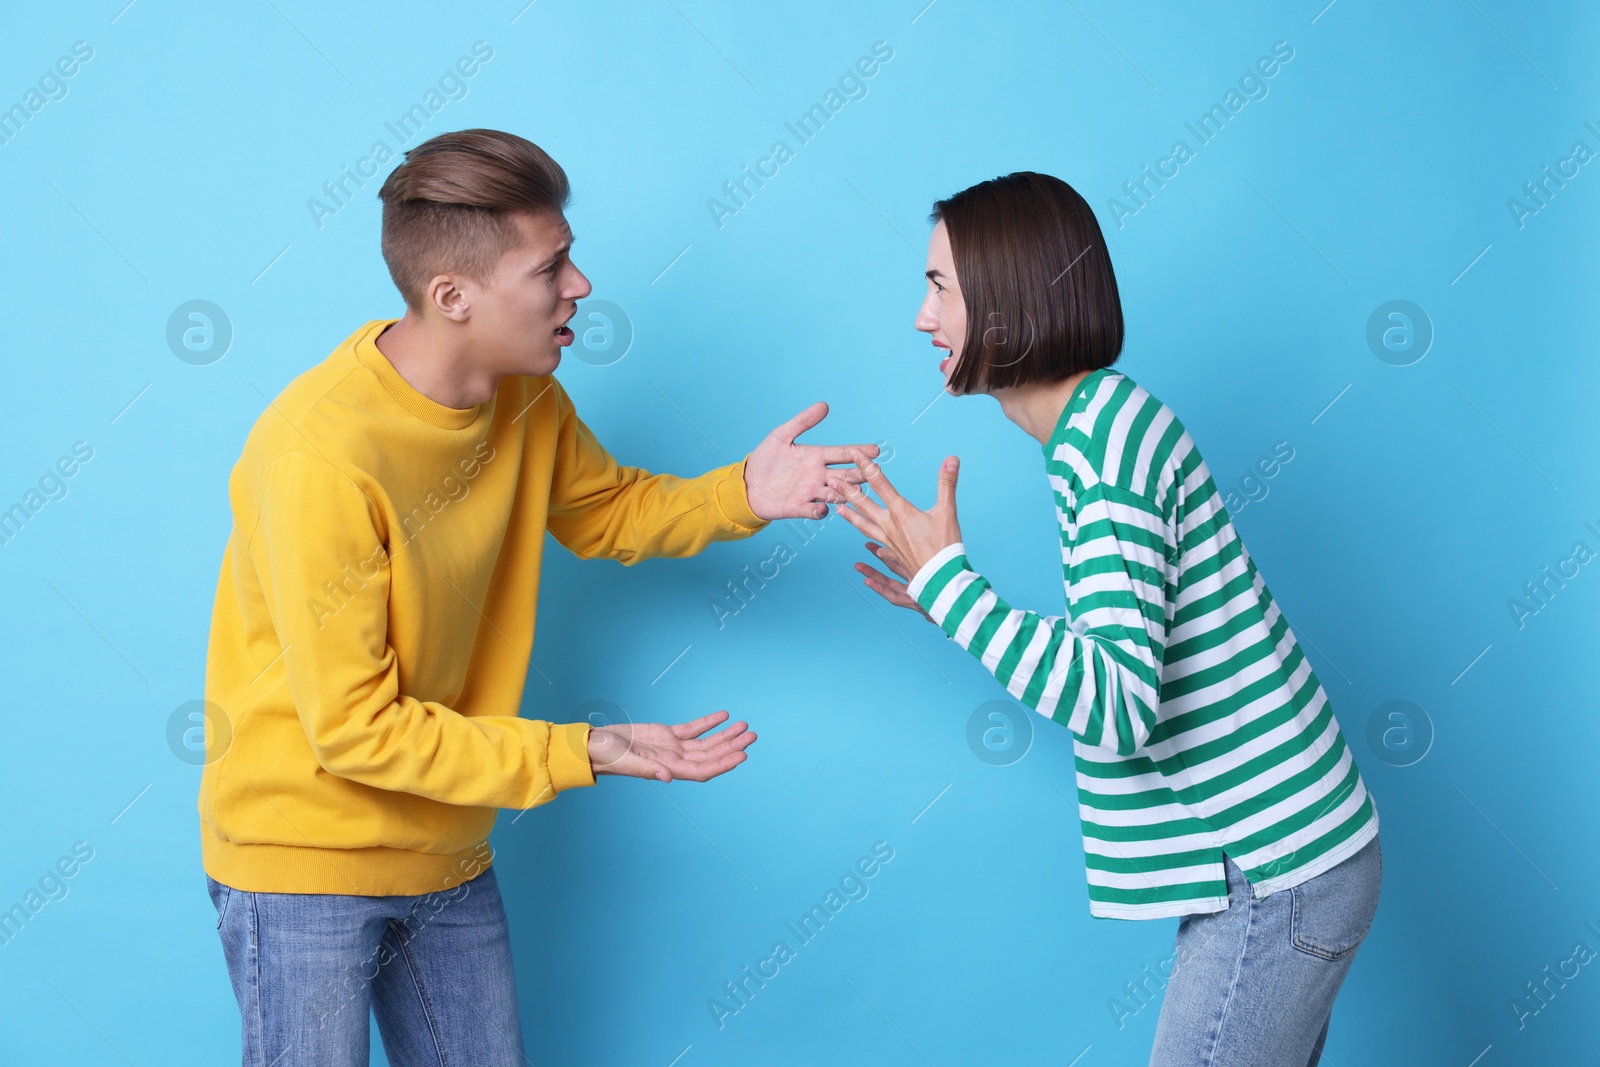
(1036, 278)
(445, 206)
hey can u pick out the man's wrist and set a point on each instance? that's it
(567, 756)
(733, 496)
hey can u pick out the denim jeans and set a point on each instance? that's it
(435, 970)
(1254, 984)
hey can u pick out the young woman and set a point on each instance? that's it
(1213, 781)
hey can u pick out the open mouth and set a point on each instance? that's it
(564, 332)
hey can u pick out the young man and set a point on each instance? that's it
(374, 620)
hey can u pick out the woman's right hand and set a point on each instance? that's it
(909, 536)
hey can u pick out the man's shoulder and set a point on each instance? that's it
(325, 412)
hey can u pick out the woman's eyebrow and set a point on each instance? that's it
(933, 275)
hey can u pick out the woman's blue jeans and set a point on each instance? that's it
(435, 970)
(1254, 984)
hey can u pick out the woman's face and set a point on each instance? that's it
(943, 314)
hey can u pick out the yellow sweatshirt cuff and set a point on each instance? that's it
(568, 755)
(734, 498)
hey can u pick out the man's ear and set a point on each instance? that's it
(447, 293)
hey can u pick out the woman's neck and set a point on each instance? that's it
(1037, 407)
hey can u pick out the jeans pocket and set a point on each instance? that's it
(220, 895)
(1333, 912)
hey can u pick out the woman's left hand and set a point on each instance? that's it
(909, 537)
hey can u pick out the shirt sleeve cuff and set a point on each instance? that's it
(734, 499)
(920, 580)
(568, 756)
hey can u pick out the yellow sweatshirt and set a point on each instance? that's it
(374, 619)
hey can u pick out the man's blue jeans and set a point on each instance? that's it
(1254, 984)
(434, 969)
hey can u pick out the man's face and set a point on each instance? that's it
(943, 314)
(519, 314)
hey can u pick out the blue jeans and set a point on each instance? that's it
(435, 970)
(1254, 984)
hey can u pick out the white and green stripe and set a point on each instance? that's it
(1198, 724)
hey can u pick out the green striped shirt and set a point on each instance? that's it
(1198, 724)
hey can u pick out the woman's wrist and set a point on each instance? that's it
(925, 573)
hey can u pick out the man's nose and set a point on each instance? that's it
(583, 288)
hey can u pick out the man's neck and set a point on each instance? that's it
(1037, 407)
(435, 363)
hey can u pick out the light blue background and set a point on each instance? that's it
(1417, 505)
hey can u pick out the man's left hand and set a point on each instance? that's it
(786, 480)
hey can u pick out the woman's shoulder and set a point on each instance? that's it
(1123, 436)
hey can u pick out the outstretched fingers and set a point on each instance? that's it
(949, 470)
(846, 453)
(735, 743)
(848, 484)
(700, 765)
(896, 593)
(800, 423)
(875, 476)
(851, 475)
(716, 740)
(860, 521)
(686, 730)
(889, 559)
(705, 770)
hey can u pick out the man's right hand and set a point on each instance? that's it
(662, 752)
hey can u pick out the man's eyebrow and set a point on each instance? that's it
(561, 250)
